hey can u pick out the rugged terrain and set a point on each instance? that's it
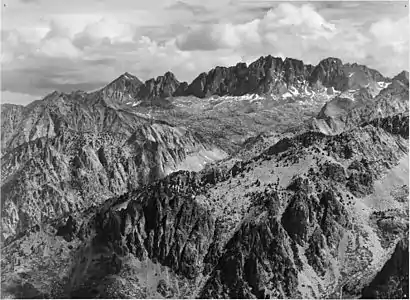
(272, 180)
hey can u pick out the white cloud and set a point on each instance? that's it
(287, 20)
(220, 36)
(392, 33)
(208, 37)
(104, 29)
(304, 20)
(58, 47)
(32, 35)
(152, 59)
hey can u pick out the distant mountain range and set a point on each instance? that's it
(267, 75)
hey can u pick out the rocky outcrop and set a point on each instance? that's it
(256, 263)
(272, 75)
(59, 112)
(402, 77)
(341, 114)
(262, 241)
(11, 116)
(392, 282)
(162, 87)
(49, 178)
(99, 200)
(264, 76)
(331, 72)
(124, 88)
(397, 124)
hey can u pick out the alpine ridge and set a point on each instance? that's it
(277, 179)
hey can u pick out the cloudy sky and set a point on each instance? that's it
(68, 45)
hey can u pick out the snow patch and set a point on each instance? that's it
(240, 98)
(287, 95)
(383, 84)
(306, 91)
(293, 90)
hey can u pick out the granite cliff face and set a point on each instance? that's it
(162, 87)
(264, 76)
(272, 75)
(331, 72)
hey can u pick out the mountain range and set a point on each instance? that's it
(274, 180)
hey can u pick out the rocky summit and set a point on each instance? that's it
(277, 179)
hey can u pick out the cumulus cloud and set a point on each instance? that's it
(392, 33)
(301, 31)
(296, 21)
(304, 20)
(209, 37)
(59, 47)
(106, 29)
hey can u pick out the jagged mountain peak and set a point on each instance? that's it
(331, 61)
(128, 76)
(403, 76)
(163, 86)
(273, 75)
(122, 89)
(124, 80)
(54, 93)
(168, 77)
(265, 75)
(331, 72)
(290, 60)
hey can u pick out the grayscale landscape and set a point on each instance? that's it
(276, 167)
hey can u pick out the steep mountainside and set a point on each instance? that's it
(11, 117)
(300, 220)
(272, 75)
(60, 112)
(124, 88)
(162, 87)
(331, 72)
(273, 180)
(340, 113)
(309, 217)
(48, 178)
